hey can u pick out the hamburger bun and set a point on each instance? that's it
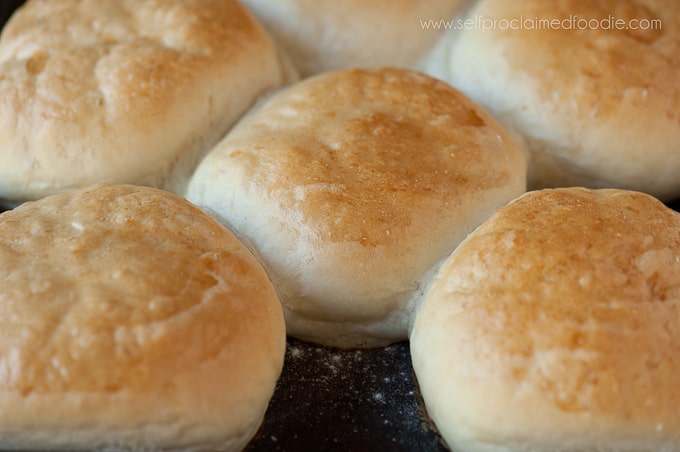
(351, 186)
(131, 320)
(129, 91)
(554, 327)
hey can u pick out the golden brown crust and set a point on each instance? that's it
(139, 306)
(123, 91)
(352, 185)
(607, 69)
(596, 94)
(378, 153)
(562, 310)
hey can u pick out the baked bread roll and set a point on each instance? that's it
(352, 186)
(131, 320)
(598, 106)
(129, 91)
(328, 35)
(554, 327)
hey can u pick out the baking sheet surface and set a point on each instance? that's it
(335, 400)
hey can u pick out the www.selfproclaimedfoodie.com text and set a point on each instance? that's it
(573, 22)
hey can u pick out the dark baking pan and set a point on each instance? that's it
(7, 7)
(358, 400)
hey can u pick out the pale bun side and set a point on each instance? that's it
(324, 36)
(131, 91)
(598, 107)
(352, 186)
(131, 320)
(554, 327)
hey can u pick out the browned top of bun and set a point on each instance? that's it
(562, 309)
(128, 91)
(389, 141)
(130, 308)
(631, 65)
